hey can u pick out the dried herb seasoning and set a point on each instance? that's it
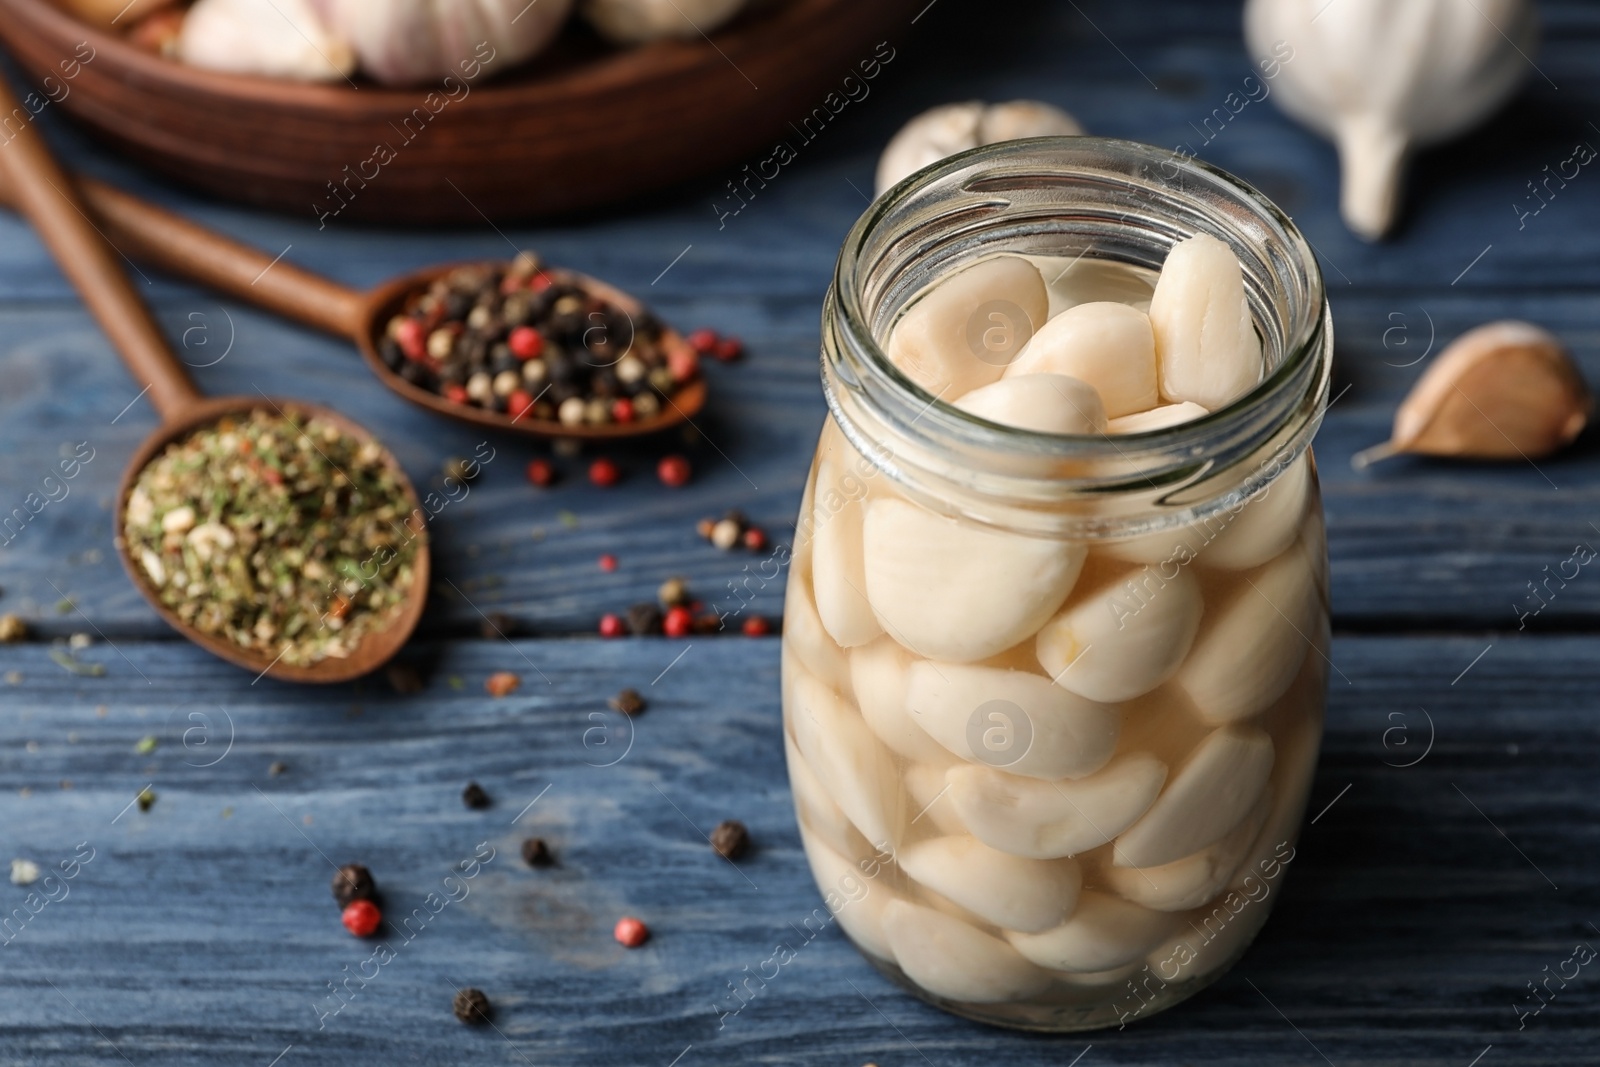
(286, 536)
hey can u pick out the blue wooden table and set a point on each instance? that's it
(1451, 861)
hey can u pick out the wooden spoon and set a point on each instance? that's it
(48, 198)
(143, 231)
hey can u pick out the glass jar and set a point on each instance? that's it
(1052, 703)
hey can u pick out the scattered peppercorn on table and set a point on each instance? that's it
(174, 825)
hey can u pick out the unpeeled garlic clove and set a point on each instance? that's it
(1207, 349)
(880, 675)
(955, 960)
(1124, 639)
(1044, 820)
(1191, 881)
(838, 581)
(1042, 403)
(283, 39)
(858, 902)
(1211, 793)
(1504, 390)
(951, 128)
(1109, 345)
(950, 590)
(1008, 891)
(1104, 932)
(1157, 418)
(1011, 719)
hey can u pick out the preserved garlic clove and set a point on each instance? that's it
(818, 813)
(1011, 719)
(1216, 787)
(1043, 403)
(1044, 820)
(1104, 932)
(1502, 391)
(1253, 644)
(1109, 345)
(858, 772)
(858, 901)
(1381, 78)
(879, 675)
(951, 128)
(965, 330)
(838, 580)
(1008, 891)
(1207, 349)
(930, 796)
(1191, 881)
(271, 38)
(1157, 418)
(1268, 523)
(1208, 939)
(629, 22)
(955, 960)
(803, 632)
(1124, 639)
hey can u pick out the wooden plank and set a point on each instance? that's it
(1420, 903)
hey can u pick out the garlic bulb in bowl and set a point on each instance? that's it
(406, 42)
(1381, 78)
(272, 38)
(944, 131)
(629, 22)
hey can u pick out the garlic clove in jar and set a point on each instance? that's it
(1252, 647)
(803, 632)
(630, 22)
(1123, 639)
(1157, 418)
(1268, 523)
(857, 901)
(951, 128)
(880, 675)
(949, 590)
(1504, 390)
(1109, 345)
(1005, 890)
(1044, 820)
(955, 960)
(858, 772)
(1104, 932)
(1191, 881)
(817, 811)
(930, 796)
(962, 332)
(1011, 719)
(838, 580)
(1042, 403)
(1214, 790)
(270, 38)
(1207, 349)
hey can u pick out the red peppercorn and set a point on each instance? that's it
(612, 626)
(631, 932)
(674, 471)
(729, 349)
(604, 473)
(703, 341)
(525, 343)
(519, 403)
(754, 539)
(622, 410)
(756, 626)
(678, 622)
(540, 282)
(412, 337)
(540, 472)
(455, 393)
(608, 563)
(361, 918)
(683, 364)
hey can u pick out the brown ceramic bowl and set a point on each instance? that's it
(581, 127)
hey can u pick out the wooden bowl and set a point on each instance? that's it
(582, 126)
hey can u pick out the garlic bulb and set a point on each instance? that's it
(628, 22)
(952, 128)
(1381, 78)
(405, 42)
(273, 38)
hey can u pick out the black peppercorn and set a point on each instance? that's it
(535, 853)
(629, 702)
(389, 349)
(474, 796)
(471, 1006)
(353, 882)
(644, 620)
(730, 839)
(456, 305)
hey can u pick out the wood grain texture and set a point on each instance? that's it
(203, 931)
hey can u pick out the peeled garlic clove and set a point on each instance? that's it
(858, 772)
(816, 809)
(1011, 719)
(1104, 932)
(879, 675)
(1109, 345)
(955, 960)
(1043, 403)
(630, 22)
(838, 580)
(803, 632)
(953, 591)
(1007, 891)
(951, 128)
(1267, 524)
(1158, 418)
(1123, 640)
(1044, 820)
(965, 330)
(858, 902)
(1211, 793)
(271, 38)
(1176, 546)
(1207, 349)
(1505, 390)
(1191, 881)
(929, 790)
(1209, 939)
(1252, 647)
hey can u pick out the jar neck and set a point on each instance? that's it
(1072, 197)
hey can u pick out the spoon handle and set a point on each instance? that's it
(51, 202)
